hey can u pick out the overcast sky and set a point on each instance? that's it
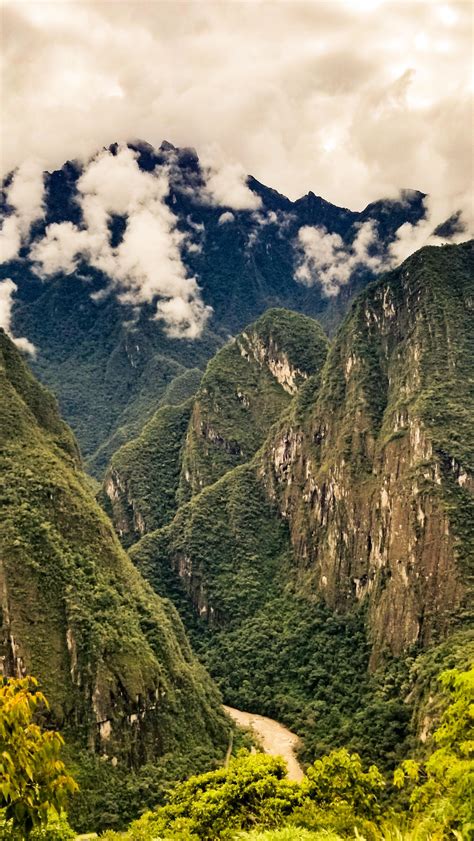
(350, 99)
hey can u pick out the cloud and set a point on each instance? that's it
(350, 99)
(146, 266)
(326, 260)
(226, 182)
(24, 195)
(438, 210)
(7, 290)
(225, 217)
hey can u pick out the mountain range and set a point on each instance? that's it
(110, 364)
(277, 510)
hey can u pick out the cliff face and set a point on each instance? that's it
(375, 478)
(370, 466)
(347, 537)
(183, 449)
(111, 656)
(244, 391)
(143, 477)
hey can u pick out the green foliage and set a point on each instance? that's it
(56, 828)
(339, 779)
(144, 474)
(444, 784)
(103, 645)
(252, 790)
(288, 833)
(253, 794)
(111, 797)
(33, 779)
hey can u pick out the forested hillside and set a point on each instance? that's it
(110, 362)
(110, 654)
(346, 538)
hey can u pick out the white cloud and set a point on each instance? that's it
(146, 266)
(7, 291)
(438, 209)
(25, 195)
(350, 99)
(226, 182)
(10, 239)
(225, 217)
(325, 259)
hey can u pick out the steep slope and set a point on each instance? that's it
(142, 479)
(108, 364)
(347, 540)
(377, 481)
(243, 392)
(111, 656)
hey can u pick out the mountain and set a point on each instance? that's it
(111, 364)
(342, 548)
(111, 656)
(244, 390)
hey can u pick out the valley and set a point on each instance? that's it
(273, 515)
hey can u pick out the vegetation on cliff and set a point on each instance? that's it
(340, 540)
(337, 798)
(110, 655)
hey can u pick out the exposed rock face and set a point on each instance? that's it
(272, 357)
(142, 480)
(244, 391)
(127, 519)
(376, 478)
(371, 467)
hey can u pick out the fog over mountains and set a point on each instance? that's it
(146, 254)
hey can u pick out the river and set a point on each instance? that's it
(274, 738)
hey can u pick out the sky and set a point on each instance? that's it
(353, 100)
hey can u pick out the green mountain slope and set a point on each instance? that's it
(345, 545)
(111, 656)
(142, 480)
(244, 390)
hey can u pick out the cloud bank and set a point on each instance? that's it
(146, 266)
(226, 182)
(325, 258)
(7, 291)
(350, 99)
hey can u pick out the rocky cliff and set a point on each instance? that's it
(111, 656)
(183, 449)
(355, 514)
(244, 391)
(376, 480)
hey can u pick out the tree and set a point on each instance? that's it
(444, 784)
(339, 779)
(33, 779)
(252, 791)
